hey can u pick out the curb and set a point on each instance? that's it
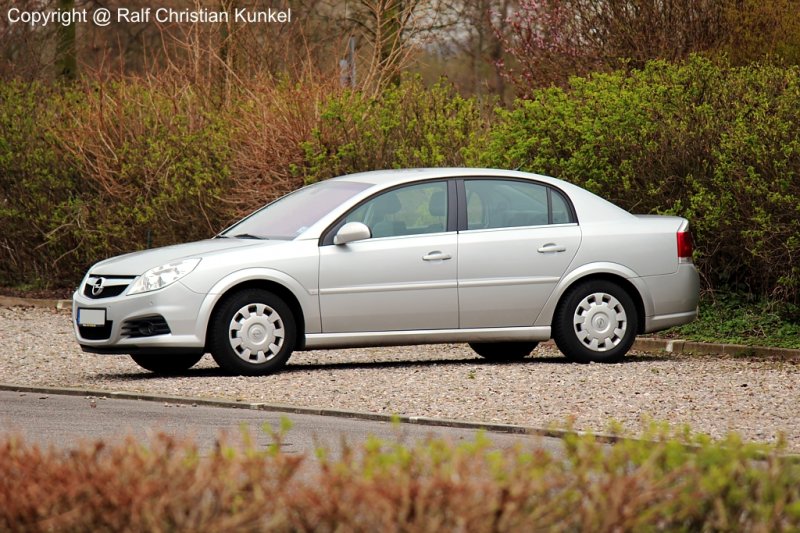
(335, 413)
(673, 346)
(680, 346)
(13, 301)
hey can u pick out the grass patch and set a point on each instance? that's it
(672, 482)
(733, 318)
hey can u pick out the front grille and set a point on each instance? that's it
(96, 333)
(98, 287)
(147, 326)
(108, 292)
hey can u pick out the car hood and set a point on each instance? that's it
(136, 263)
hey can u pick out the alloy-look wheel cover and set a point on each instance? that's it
(256, 333)
(600, 322)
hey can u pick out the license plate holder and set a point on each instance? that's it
(93, 318)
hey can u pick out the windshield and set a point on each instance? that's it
(289, 216)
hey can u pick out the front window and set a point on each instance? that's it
(289, 216)
(411, 210)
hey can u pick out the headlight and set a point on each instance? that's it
(162, 276)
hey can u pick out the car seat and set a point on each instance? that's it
(386, 205)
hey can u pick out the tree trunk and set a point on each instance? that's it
(66, 60)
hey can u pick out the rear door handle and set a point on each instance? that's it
(436, 256)
(551, 247)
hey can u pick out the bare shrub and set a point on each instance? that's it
(155, 159)
(269, 126)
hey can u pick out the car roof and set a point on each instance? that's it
(399, 176)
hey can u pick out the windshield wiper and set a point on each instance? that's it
(248, 236)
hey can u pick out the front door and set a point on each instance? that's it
(402, 278)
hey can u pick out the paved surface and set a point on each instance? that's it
(64, 421)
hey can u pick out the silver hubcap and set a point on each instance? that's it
(600, 322)
(256, 333)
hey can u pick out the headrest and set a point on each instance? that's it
(387, 204)
(438, 204)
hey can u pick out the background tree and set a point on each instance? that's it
(468, 50)
(550, 40)
(758, 31)
(66, 62)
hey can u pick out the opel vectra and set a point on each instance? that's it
(499, 259)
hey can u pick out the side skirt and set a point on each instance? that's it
(316, 341)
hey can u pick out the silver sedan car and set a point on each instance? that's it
(499, 259)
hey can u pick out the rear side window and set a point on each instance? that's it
(513, 203)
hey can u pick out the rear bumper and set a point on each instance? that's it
(674, 296)
(657, 323)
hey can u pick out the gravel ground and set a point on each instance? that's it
(756, 398)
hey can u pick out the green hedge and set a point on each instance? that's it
(39, 184)
(718, 145)
(91, 170)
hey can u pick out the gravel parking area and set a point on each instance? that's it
(757, 398)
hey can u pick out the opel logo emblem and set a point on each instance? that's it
(97, 288)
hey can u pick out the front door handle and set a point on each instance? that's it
(551, 247)
(436, 256)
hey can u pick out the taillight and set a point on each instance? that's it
(685, 247)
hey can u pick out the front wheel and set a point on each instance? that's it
(503, 351)
(252, 333)
(168, 365)
(596, 322)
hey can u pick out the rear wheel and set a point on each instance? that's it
(595, 322)
(166, 364)
(253, 333)
(503, 351)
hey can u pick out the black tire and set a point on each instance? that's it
(168, 365)
(271, 339)
(609, 325)
(503, 351)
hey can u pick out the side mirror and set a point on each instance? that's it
(352, 231)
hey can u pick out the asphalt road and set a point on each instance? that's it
(64, 421)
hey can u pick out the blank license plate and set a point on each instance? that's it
(92, 317)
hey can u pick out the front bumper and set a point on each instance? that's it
(178, 306)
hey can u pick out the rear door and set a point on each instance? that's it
(518, 238)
